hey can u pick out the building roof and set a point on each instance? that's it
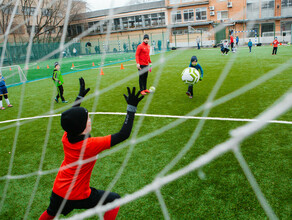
(121, 10)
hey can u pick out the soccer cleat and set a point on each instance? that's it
(190, 97)
(56, 100)
(65, 101)
(188, 93)
(9, 105)
(147, 91)
(2, 108)
(143, 92)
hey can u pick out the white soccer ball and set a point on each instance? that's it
(190, 75)
(152, 89)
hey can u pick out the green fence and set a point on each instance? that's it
(16, 53)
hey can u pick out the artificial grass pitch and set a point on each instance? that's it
(223, 193)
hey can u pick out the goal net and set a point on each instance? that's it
(13, 75)
(221, 153)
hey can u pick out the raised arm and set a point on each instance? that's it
(132, 100)
(82, 93)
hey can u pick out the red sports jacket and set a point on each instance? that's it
(142, 54)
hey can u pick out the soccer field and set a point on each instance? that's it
(238, 87)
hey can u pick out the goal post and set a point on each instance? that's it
(13, 75)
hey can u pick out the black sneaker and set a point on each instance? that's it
(65, 101)
(188, 93)
(56, 100)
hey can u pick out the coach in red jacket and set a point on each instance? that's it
(143, 60)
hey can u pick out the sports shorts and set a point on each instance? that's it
(70, 205)
(3, 90)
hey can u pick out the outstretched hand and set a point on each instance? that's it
(83, 91)
(132, 98)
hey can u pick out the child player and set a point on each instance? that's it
(249, 45)
(3, 92)
(58, 80)
(275, 46)
(194, 64)
(79, 145)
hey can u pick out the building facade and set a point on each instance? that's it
(181, 22)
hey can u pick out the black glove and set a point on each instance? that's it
(133, 99)
(82, 91)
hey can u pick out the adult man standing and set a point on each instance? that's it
(198, 42)
(143, 60)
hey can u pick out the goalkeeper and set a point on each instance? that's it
(194, 64)
(79, 145)
(3, 92)
(58, 80)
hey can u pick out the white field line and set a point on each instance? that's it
(154, 116)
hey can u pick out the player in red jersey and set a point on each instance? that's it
(71, 188)
(143, 60)
(275, 46)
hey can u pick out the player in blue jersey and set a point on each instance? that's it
(194, 64)
(3, 92)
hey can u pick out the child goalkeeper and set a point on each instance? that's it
(194, 64)
(79, 145)
(58, 80)
(3, 92)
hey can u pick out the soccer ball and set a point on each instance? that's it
(190, 75)
(152, 89)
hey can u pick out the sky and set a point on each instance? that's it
(103, 4)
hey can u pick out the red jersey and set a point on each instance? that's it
(231, 39)
(81, 189)
(275, 43)
(142, 54)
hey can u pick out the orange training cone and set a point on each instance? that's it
(122, 67)
(72, 65)
(101, 72)
(93, 64)
(48, 67)
(10, 68)
(38, 67)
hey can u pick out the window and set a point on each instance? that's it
(28, 10)
(131, 21)
(201, 14)
(147, 20)
(174, 1)
(222, 15)
(189, 15)
(8, 9)
(176, 17)
(268, 29)
(138, 21)
(154, 19)
(161, 18)
(286, 9)
(183, 1)
(125, 22)
(116, 24)
(252, 9)
(47, 12)
(268, 8)
(286, 3)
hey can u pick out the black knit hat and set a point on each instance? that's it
(146, 36)
(74, 120)
(194, 58)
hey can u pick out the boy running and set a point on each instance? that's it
(58, 80)
(3, 92)
(194, 64)
(79, 145)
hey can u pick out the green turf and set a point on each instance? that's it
(225, 193)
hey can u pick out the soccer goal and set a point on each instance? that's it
(13, 74)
